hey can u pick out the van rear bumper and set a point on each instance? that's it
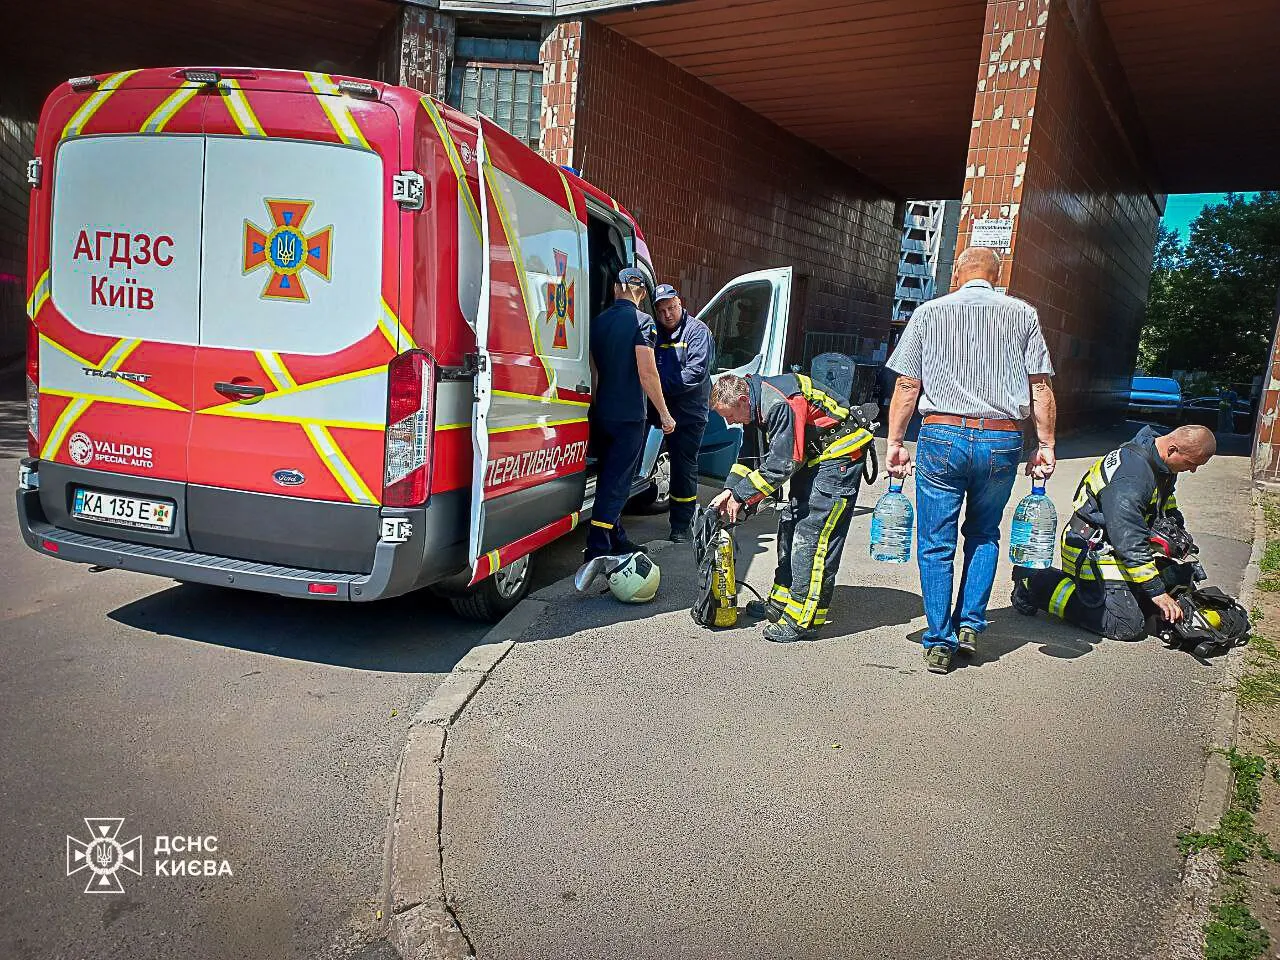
(397, 567)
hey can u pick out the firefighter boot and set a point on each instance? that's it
(763, 610)
(784, 631)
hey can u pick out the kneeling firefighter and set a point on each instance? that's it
(813, 438)
(1118, 546)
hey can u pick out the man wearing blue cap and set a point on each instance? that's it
(623, 373)
(685, 355)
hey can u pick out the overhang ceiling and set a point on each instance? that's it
(888, 85)
(1206, 78)
(47, 41)
(885, 85)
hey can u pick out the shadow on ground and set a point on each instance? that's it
(411, 634)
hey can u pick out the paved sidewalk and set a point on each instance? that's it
(630, 785)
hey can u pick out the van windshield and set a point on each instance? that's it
(738, 321)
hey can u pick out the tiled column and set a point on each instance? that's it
(417, 49)
(1058, 148)
(561, 53)
(1266, 438)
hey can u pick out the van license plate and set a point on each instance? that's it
(122, 511)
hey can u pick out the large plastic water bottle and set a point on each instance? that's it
(1035, 530)
(891, 526)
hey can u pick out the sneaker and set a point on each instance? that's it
(968, 640)
(1022, 600)
(784, 632)
(763, 610)
(680, 536)
(938, 658)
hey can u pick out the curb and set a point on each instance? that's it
(1200, 871)
(421, 925)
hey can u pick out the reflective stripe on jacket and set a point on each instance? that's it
(802, 424)
(1117, 501)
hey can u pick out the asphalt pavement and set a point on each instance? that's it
(627, 784)
(274, 725)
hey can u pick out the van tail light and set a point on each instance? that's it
(33, 389)
(409, 384)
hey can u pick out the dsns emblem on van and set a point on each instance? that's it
(286, 249)
(289, 478)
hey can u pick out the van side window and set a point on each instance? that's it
(738, 321)
(606, 254)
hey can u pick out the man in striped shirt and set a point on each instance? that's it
(977, 364)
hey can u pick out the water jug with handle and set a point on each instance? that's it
(891, 524)
(1035, 529)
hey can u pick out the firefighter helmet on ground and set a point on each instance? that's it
(634, 579)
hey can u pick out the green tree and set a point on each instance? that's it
(1212, 305)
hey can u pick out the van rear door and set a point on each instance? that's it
(748, 322)
(299, 284)
(116, 349)
(534, 381)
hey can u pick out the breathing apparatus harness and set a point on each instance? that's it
(715, 602)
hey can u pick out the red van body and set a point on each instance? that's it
(306, 335)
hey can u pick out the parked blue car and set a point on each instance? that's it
(1155, 398)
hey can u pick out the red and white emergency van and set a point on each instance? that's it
(307, 335)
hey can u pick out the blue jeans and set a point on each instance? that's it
(952, 464)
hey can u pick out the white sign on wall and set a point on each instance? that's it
(996, 234)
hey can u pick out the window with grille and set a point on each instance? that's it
(501, 79)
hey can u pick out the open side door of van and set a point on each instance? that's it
(533, 384)
(748, 322)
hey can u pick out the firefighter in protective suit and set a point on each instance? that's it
(1109, 583)
(809, 436)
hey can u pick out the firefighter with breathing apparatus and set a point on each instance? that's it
(810, 436)
(1128, 563)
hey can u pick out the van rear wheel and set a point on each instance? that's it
(494, 597)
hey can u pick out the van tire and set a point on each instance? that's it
(657, 498)
(494, 597)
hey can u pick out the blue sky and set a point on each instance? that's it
(1182, 208)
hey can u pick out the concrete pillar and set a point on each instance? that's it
(416, 50)
(560, 55)
(1057, 148)
(17, 146)
(1266, 434)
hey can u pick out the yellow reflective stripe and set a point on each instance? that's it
(1139, 574)
(821, 397)
(394, 330)
(602, 524)
(66, 419)
(1061, 594)
(781, 594)
(685, 499)
(536, 426)
(300, 388)
(160, 404)
(760, 483)
(459, 173)
(738, 470)
(334, 103)
(495, 560)
(568, 194)
(844, 447)
(820, 560)
(152, 399)
(162, 114)
(247, 412)
(440, 427)
(351, 482)
(276, 369)
(39, 296)
(517, 258)
(573, 520)
(530, 396)
(117, 355)
(90, 106)
(666, 346)
(241, 112)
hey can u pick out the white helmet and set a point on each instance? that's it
(634, 579)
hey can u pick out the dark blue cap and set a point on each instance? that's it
(665, 291)
(630, 275)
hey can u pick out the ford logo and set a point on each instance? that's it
(288, 478)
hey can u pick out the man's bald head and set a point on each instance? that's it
(978, 263)
(1187, 447)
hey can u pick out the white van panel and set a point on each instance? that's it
(344, 187)
(125, 257)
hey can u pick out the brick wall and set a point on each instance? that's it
(415, 50)
(1088, 227)
(560, 58)
(720, 191)
(17, 145)
(1048, 151)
